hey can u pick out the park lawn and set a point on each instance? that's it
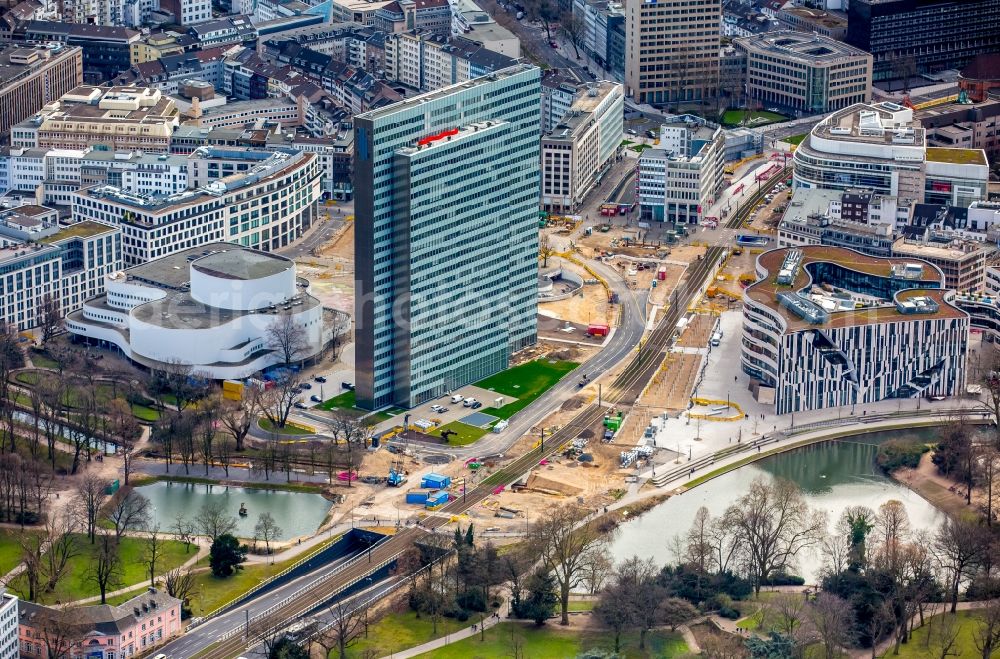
(77, 583)
(735, 117)
(344, 401)
(466, 434)
(289, 429)
(795, 139)
(213, 592)
(145, 413)
(43, 361)
(965, 645)
(551, 642)
(401, 631)
(582, 605)
(104, 391)
(10, 551)
(525, 382)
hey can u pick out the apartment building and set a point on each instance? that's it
(962, 262)
(934, 34)
(807, 73)
(106, 48)
(582, 146)
(33, 77)
(40, 258)
(8, 625)
(402, 15)
(891, 330)
(119, 118)
(559, 90)
(681, 178)
(964, 126)
(470, 21)
(101, 631)
(882, 148)
(264, 206)
(672, 51)
(427, 61)
(188, 12)
(446, 237)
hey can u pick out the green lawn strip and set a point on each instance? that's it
(794, 139)
(639, 148)
(10, 550)
(525, 382)
(825, 438)
(213, 592)
(735, 117)
(965, 645)
(77, 583)
(29, 378)
(344, 401)
(145, 413)
(401, 631)
(43, 361)
(582, 605)
(289, 429)
(465, 434)
(551, 642)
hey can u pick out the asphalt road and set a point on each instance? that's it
(321, 231)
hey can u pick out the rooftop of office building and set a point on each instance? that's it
(957, 156)
(581, 112)
(815, 49)
(444, 92)
(879, 123)
(19, 61)
(952, 250)
(86, 103)
(85, 229)
(790, 290)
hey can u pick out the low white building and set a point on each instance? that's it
(582, 146)
(209, 307)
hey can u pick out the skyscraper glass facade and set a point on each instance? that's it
(446, 237)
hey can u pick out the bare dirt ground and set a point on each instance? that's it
(698, 331)
(341, 245)
(589, 306)
(660, 294)
(672, 385)
(560, 331)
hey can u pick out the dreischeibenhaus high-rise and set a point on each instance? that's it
(446, 237)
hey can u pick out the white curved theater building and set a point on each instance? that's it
(209, 307)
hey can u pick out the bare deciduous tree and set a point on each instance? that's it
(180, 584)
(213, 520)
(773, 523)
(572, 26)
(347, 624)
(267, 529)
(986, 635)
(127, 511)
(237, 416)
(152, 551)
(49, 317)
(106, 565)
(563, 543)
(88, 498)
(958, 547)
(833, 619)
(287, 338)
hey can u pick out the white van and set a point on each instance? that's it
(457, 398)
(716, 339)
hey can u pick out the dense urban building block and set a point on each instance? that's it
(427, 61)
(446, 237)
(580, 149)
(911, 37)
(672, 51)
(679, 179)
(887, 330)
(216, 307)
(980, 77)
(31, 77)
(882, 148)
(106, 49)
(964, 126)
(805, 73)
(41, 258)
(120, 118)
(265, 205)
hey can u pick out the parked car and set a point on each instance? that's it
(651, 134)
(468, 402)
(319, 378)
(631, 131)
(305, 385)
(476, 405)
(347, 385)
(316, 399)
(457, 398)
(436, 408)
(300, 405)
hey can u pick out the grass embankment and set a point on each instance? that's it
(965, 645)
(731, 118)
(289, 428)
(104, 392)
(401, 631)
(10, 550)
(525, 382)
(794, 139)
(551, 642)
(78, 584)
(347, 402)
(195, 480)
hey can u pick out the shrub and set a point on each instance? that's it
(782, 579)
(897, 453)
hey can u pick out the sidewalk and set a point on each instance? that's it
(467, 632)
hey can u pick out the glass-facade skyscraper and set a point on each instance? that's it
(446, 237)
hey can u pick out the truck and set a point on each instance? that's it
(396, 478)
(596, 329)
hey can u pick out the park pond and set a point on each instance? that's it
(297, 513)
(833, 476)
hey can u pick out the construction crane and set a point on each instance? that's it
(397, 473)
